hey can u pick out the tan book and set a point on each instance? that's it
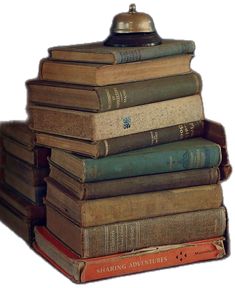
(103, 74)
(131, 235)
(98, 126)
(132, 207)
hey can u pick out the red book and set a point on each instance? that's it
(83, 270)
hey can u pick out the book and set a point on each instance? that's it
(19, 132)
(98, 53)
(12, 198)
(80, 270)
(171, 157)
(133, 185)
(216, 132)
(32, 175)
(36, 157)
(132, 207)
(131, 235)
(105, 74)
(101, 99)
(20, 215)
(2, 160)
(32, 193)
(103, 148)
(100, 126)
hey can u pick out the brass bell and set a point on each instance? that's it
(132, 29)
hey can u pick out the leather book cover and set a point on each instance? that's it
(81, 270)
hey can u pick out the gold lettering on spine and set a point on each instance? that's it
(109, 98)
(154, 137)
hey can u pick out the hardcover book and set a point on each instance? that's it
(131, 235)
(19, 214)
(132, 207)
(92, 74)
(100, 126)
(133, 185)
(81, 270)
(178, 156)
(101, 99)
(103, 148)
(98, 53)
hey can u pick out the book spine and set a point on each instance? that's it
(41, 157)
(142, 184)
(143, 92)
(151, 259)
(140, 54)
(150, 138)
(185, 158)
(166, 230)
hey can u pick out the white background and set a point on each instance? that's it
(28, 28)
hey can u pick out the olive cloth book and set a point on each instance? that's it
(100, 99)
(98, 126)
(103, 148)
(80, 270)
(98, 53)
(171, 157)
(104, 74)
(131, 235)
(132, 207)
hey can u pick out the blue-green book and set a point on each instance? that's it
(177, 156)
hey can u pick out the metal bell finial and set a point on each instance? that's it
(133, 28)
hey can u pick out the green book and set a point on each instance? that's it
(178, 156)
(98, 53)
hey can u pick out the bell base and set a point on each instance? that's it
(133, 39)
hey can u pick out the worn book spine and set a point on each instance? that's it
(134, 185)
(132, 207)
(83, 270)
(151, 163)
(127, 236)
(140, 54)
(100, 126)
(149, 91)
(149, 138)
(32, 175)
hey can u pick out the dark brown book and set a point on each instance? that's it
(133, 185)
(127, 236)
(104, 74)
(19, 132)
(215, 132)
(33, 193)
(112, 97)
(36, 157)
(132, 207)
(20, 215)
(32, 175)
(103, 148)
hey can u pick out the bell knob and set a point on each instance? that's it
(132, 28)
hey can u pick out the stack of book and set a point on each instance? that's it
(21, 194)
(134, 180)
